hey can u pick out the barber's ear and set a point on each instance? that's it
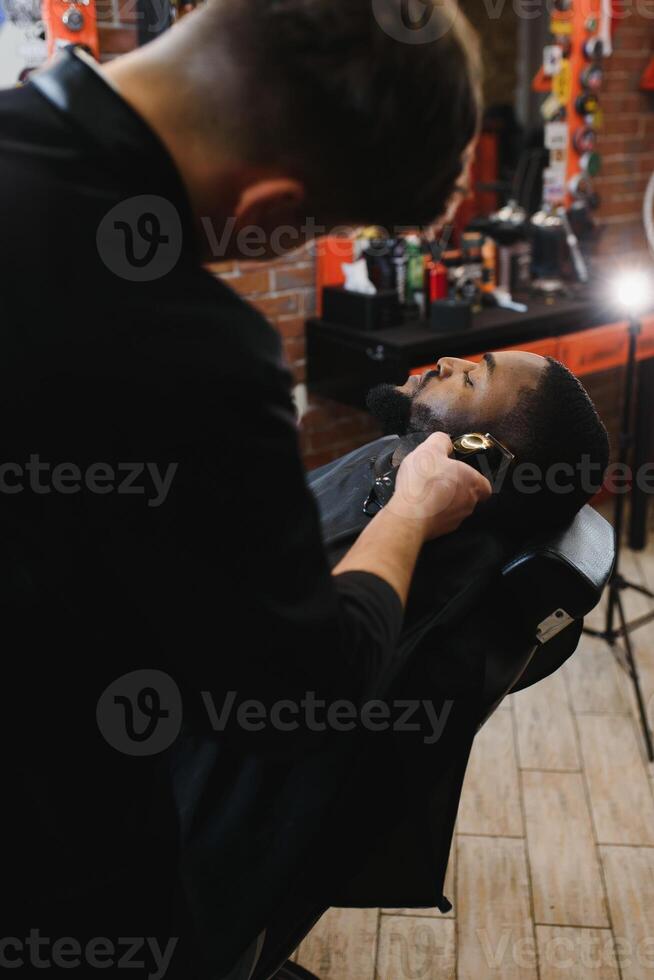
(270, 213)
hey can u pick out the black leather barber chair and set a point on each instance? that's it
(551, 585)
(521, 610)
(524, 612)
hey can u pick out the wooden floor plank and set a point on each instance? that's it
(632, 566)
(416, 947)
(495, 929)
(342, 945)
(545, 728)
(490, 801)
(621, 800)
(638, 567)
(565, 953)
(643, 647)
(593, 679)
(645, 560)
(595, 618)
(565, 872)
(629, 875)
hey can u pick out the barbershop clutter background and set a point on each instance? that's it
(285, 290)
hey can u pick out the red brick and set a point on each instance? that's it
(631, 39)
(128, 11)
(613, 142)
(622, 81)
(647, 129)
(116, 40)
(295, 277)
(251, 283)
(625, 206)
(290, 326)
(222, 269)
(273, 306)
(253, 264)
(104, 10)
(627, 184)
(622, 125)
(637, 16)
(627, 61)
(614, 103)
(618, 165)
(294, 348)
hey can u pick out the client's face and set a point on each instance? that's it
(458, 396)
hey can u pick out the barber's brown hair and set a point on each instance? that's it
(375, 127)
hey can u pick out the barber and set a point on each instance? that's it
(119, 353)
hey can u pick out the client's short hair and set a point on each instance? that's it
(561, 448)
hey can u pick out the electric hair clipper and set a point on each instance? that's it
(485, 453)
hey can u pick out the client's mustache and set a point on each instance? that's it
(398, 415)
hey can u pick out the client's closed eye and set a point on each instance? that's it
(466, 379)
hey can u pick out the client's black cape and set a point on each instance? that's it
(363, 819)
(397, 809)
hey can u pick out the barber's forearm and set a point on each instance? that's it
(389, 548)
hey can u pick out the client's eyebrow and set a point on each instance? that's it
(490, 362)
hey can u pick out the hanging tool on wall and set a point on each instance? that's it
(581, 36)
(592, 29)
(71, 22)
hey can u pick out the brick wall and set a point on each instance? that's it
(626, 141)
(285, 292)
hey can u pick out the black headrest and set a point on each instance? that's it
(549, 586)
(567, 569)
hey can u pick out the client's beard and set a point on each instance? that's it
(391, 408)
(397, 414)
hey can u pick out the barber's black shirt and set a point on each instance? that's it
(119, 358)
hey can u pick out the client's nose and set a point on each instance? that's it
(447, 366)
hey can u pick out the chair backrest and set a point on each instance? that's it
(551, 584)
(565, 572)
(522, 610)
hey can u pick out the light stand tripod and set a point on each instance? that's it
(618, 583)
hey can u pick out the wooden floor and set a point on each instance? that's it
(552, 869)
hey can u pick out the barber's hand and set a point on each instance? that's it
(438, 491)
